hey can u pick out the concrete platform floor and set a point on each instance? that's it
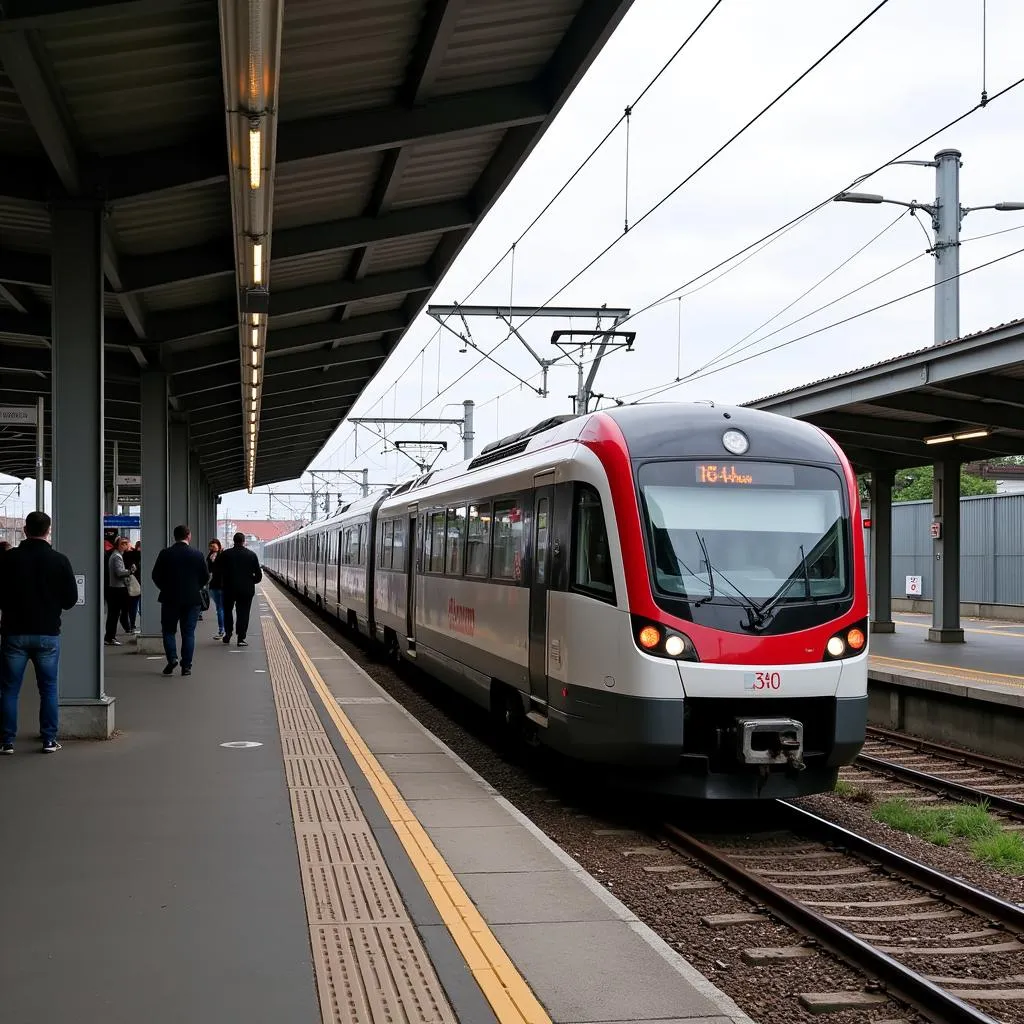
(165, 877)
(992, 654)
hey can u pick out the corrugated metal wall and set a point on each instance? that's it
(991, 548)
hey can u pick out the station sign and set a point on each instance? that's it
(935, 530)
(123, 522)
(129, 480)
(17, 415)
(914, 586)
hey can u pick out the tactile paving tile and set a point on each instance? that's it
(316, 745)
(311, 772)
(369, 963)
(377, 973)
(351, 894)
(329, 844)
(337, 806)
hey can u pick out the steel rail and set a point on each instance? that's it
(937, 784)
(930, 747)
(900, 981)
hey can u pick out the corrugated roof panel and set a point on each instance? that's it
(298, 271)
(139, 81)
(16, 133)
(401, 253)
(24, 225)
(327, 188)
(382, 304)
(446, 169)
(501, 43)
(186, 294)
(172, 220)
(307, 316)
(337, 57)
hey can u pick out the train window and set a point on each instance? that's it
(477, 544)
(398, 545)
(456, 534)
(507, 531)
(352, 546)
(592, 567)
(361, 549)
(385, 544)
(436, 543)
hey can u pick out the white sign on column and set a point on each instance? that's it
(913, 586)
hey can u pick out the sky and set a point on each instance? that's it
(915, 66)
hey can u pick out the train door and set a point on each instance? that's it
(412, 554)
(544, 494)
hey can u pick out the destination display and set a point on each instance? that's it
(763, 474)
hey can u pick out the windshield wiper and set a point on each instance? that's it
(766, 609)
(749, 606)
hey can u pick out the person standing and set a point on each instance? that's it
(236, 573)
(180, 574)
(216, 594)
(117, 590)
(36, 585)
(130, 610)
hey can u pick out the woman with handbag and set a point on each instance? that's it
(216, 594)
(133, 584)
(117, 593)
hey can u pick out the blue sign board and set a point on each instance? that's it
(123, 522)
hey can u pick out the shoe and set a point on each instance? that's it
(7, 748)
(227, 638)
(243, 643)
(186, 671)
(112, 643)
(51, 747)
(170, 667)
(219, 634)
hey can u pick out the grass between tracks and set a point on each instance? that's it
(983, 833)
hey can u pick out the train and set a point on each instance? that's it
(563, 579)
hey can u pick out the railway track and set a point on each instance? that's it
(940, 770)
(951, 951)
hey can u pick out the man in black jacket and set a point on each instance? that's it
(36, 585)
(236, 572)
(180, 574)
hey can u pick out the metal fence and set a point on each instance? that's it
(991, 548)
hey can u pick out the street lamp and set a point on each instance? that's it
(947, 233)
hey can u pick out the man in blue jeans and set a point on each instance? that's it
(36, 585)
(180, 573)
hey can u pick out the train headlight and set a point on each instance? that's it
(848, 642)
(653, 638)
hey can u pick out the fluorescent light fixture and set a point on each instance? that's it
(253, 394)
(256, 357)
(255, 376)
(255, 338)
(257, 262)
(960, 435)
(255, 157)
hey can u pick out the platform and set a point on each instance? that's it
(992, 655)
(347, 868)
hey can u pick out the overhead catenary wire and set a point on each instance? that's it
(828, 327)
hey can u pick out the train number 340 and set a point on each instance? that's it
(764, 680)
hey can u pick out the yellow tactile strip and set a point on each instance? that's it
(510, 997)
(370, 965)
(951, 672)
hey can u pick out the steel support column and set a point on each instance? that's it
(946, 548)
(156, 531)
(881, 551)
(195, 518)
(177, 494)
(78, 457)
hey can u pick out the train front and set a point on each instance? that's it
(744, 562)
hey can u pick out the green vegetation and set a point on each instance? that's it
(916, 485)
(986, 838)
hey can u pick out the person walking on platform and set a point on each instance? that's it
(130, 610)
(236, 573)
(117, 590)
(36, 585)
(181, 575)
(216, 594)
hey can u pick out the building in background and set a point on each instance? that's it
(257, 531)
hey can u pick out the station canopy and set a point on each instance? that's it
(961, 399)
(384, 131)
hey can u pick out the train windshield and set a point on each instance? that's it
(764, 537)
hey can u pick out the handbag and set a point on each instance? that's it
(133, 586)
(204, 598)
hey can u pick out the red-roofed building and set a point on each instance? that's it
(261, 530)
